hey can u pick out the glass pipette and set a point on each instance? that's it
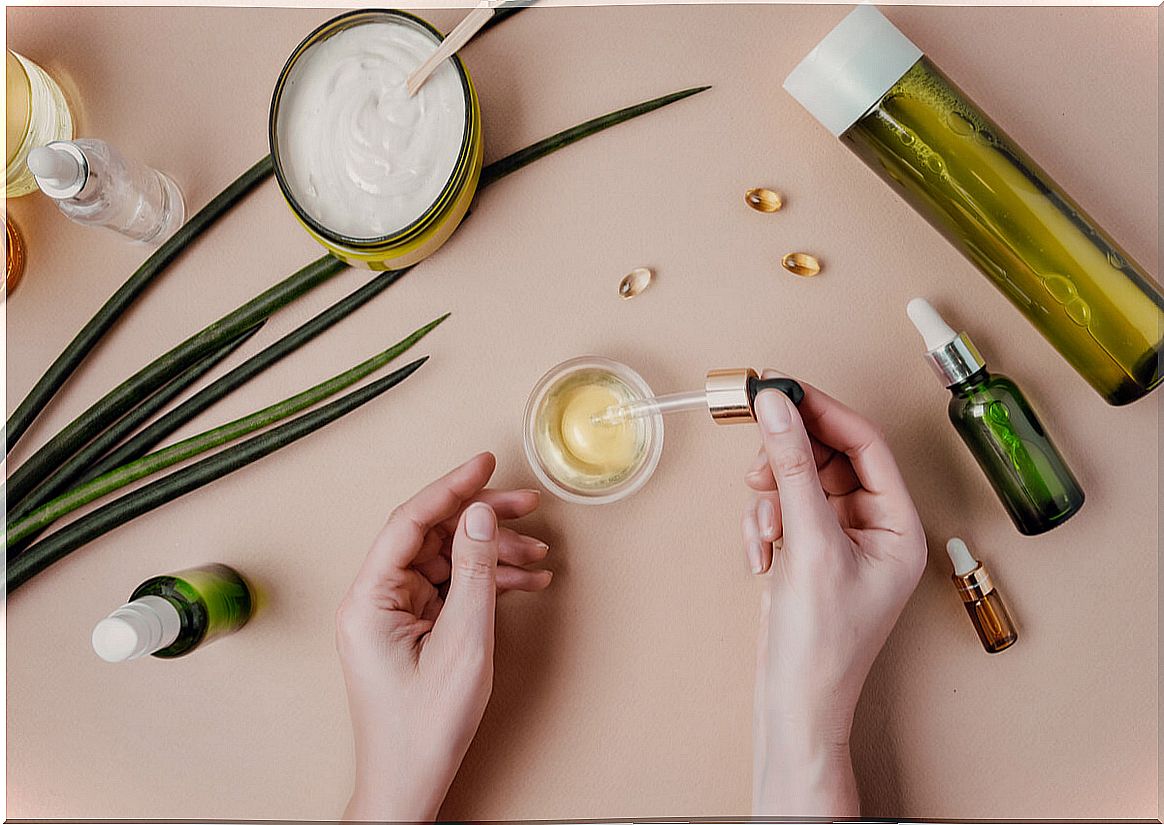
(643, 407)
(728, 395)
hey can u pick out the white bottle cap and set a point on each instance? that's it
(851, 69)
(139, 628)
(60, 168)
(960, 555)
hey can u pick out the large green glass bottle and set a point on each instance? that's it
(874, 89)
(997, 423)
(169, 616)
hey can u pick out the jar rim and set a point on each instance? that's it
(654, 422)
(461, 169)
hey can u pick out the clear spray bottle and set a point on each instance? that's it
(94, 184)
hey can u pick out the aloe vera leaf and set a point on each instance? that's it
(511, 163)
(153, 495)
(21, 528)
(150, 378)
(72, 469)
(148, 438)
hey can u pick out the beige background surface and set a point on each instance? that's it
(626, 689)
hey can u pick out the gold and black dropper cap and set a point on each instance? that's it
(731, 394)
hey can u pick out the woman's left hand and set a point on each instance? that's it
(418, 664)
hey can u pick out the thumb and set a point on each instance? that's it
(467, 617)
(803, 506)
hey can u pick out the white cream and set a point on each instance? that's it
(359, 155)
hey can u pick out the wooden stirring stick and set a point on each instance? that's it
(458, 37)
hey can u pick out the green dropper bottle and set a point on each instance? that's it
(1000, 428)
(171, 615)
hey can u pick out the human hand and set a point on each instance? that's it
(418, 663)
(850, 550)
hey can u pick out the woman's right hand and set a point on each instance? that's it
(834, 527)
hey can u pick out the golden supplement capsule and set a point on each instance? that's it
(801, 263)
(635, 282)
(763, 200)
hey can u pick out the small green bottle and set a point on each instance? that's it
(172, 615)
(1000, 428)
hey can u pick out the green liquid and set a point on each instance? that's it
(1004, 434)
(958, 169)
(212, 601)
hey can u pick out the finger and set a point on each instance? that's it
(754, 549)
(804, 509)
(517, 578)
(861, 441)
(836, 477)
(519, 549)
(834, 470)
(401, 539)
(768, 518)
(507, 504)
(433, 561)
(510, 577)
(467, 618)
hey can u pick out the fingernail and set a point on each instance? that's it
(766, 514)
(538, 545)
(480, 522)
(755, 556)
(772, 410)
(531, 492)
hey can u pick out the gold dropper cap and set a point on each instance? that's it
(974, 585)
(727, 396)
(731, 394)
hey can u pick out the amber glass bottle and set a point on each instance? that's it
(983, 602)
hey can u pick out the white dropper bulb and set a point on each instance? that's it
(960, 555)
(55, 168)
(935, 331)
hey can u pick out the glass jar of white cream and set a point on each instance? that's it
(380, 178)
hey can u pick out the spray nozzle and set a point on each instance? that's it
(60, 169)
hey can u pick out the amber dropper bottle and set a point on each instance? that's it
(983, 602)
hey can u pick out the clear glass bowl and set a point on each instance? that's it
(544, 454)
